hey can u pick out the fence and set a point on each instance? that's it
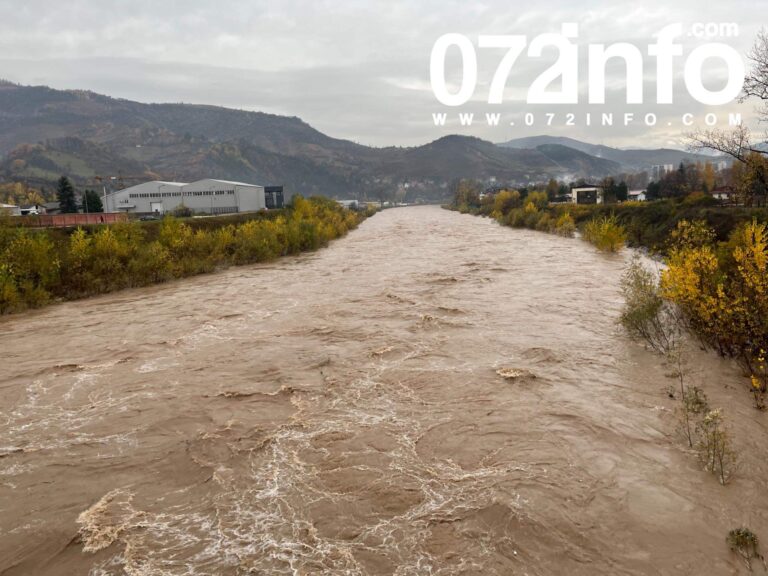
(61, 220)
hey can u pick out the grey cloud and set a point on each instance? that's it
(353, 69)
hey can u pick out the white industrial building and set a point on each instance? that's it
(207, 196)
(587, 195)
(10, 209)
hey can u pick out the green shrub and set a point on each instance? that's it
(182, 211)
(745, 543)
(723, 293)
(544, 223)
(605, 233)
(516, 218)
(10, 301)
(694, 405)
(646, 315)
(538, 199)
(151, 265)
(79, 277)
(565, 226)
(505, 200)
(715, 447)
(255, 242)
(30, 270)
(108, 258)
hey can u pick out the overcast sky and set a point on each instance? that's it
(352, 69)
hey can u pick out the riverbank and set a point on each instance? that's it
(342, 413)
(38, 267)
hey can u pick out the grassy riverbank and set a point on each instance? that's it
(41, 266)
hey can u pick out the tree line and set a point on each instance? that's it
(90, 201)
(40, 266)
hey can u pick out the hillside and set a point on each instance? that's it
(468, 157)
(630, 160)
(45, 133)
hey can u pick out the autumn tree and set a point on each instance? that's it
(466, 193)
(708, 177)
(752, 188)
(538, 199)
(505, 200)
(20, 194)
(552, 188)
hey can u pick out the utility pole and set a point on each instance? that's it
(103, 181)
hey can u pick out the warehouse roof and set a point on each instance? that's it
(225, 182)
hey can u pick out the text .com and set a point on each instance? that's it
(714, 30)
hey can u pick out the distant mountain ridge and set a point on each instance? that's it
(45, 133)
(630, 160)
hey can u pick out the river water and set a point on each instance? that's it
(340, 412)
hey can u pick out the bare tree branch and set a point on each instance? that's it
(736, 143)
(756, 81)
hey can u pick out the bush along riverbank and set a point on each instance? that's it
(40, 266)
(534, 212)
(721, 289)
(717, 291)
(638, 224)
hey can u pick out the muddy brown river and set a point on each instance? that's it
(340, 413)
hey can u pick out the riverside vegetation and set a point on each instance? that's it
(533, 211)
(745, 543)
(650, 315)
(721, 290)
(645, 225)
(38, 266)
(717, 290)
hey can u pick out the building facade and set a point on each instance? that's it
(10, 209)
(208, 196)
(273, 197)
(659, 170)
(587, 195)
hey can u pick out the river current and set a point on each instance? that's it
(342, 412)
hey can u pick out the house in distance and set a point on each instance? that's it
(208, 196)
(587, 195)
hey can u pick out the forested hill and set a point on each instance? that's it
(45, 133)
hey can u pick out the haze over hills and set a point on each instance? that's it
(45, 133)
(630, 160)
